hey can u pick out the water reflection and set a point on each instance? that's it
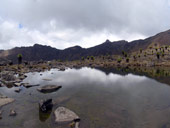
(81, 76)
(161, 74)
(44, 116)
(103, 98)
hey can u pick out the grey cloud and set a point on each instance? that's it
(117, 17)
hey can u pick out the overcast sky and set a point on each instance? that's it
(64, 23)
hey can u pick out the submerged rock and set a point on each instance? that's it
(49, 88)
(43, 116)
(74, 124)
(64, 115)
(12, 113)
(47, 79)
(45, 105)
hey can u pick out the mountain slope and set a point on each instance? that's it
(38, 52)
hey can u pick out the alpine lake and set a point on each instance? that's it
(102, 98)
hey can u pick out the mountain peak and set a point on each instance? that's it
(107, 41)
(37, 45)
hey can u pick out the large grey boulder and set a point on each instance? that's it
(48, 88)
(64, 115)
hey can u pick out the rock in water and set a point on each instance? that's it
(49, 88)
(62, 69)
(17, 84)
(17, 90)
(64, 115)
(5, 100)
(45, 105)
(27, 85)
(12, 113)
(0, 114)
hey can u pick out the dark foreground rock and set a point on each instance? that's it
(12, 113)
(49, 88)
(45, 105)
(62, 69)
(64, 115)
(18, 90)
(0, 114)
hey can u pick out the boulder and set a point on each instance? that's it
(48, 88)
(45, 105)
(64, 115)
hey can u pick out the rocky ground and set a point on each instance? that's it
(13, 75)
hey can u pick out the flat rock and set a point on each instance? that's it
(63, 115)
(4, 100)
(17, 84)
(27, 85)
(49, 88)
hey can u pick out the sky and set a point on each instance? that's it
(65, 23)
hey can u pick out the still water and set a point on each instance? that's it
(102, 99)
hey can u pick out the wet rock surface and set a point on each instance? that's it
(64, 115)
(48, 88)
(45, 105)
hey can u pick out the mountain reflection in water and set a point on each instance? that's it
(103, 98)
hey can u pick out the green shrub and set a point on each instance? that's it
(119, 60)
(92, 57)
